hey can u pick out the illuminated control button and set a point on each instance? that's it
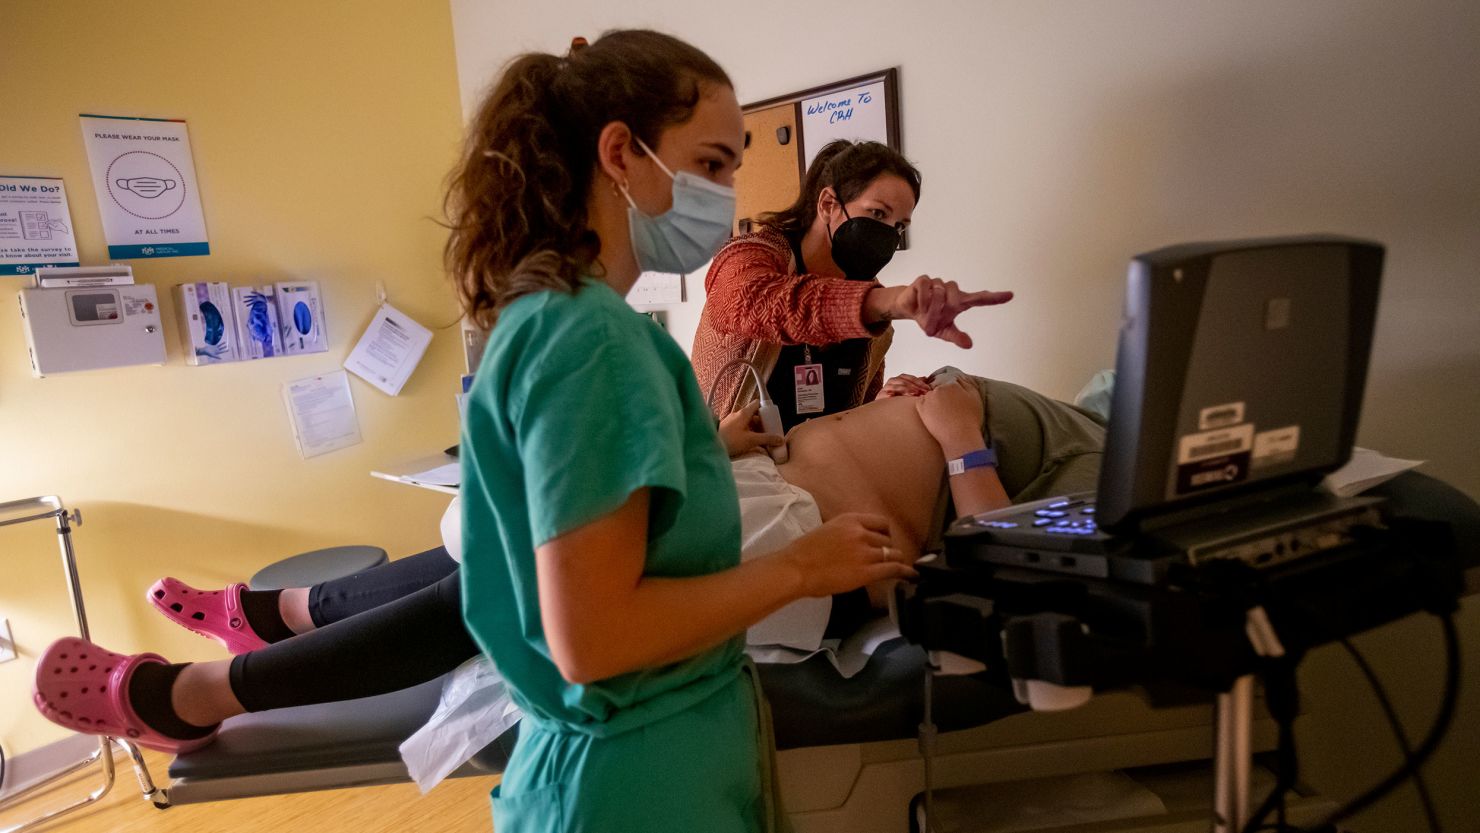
(1043, 522)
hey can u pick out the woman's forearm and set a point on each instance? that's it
(974, 490)
(712, 608)
(978, 490)
(882, 304)
(603, 617)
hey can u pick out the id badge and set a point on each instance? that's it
(809, 388)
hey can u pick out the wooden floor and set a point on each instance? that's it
(459, 805)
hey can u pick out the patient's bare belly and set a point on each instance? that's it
(877, 458)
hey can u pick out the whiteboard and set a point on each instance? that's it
(857, 113)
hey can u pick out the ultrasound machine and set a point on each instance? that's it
(1209, 554)
(1239, 381)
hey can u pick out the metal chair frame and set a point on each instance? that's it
(40, 509)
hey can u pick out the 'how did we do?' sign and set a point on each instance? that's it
(35, 225)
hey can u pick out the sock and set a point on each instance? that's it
(149, 694)
(261, 609)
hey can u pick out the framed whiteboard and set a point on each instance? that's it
(800, 124)
(860, 109)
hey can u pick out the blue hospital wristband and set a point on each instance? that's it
(982, 458)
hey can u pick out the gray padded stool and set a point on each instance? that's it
(310, 568)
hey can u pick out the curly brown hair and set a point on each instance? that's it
(516, 202)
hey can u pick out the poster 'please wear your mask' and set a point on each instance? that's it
(144, 176)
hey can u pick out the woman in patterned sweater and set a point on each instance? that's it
(799, 298)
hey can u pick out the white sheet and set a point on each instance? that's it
(474, 710)
(774, 513)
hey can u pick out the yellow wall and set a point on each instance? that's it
(321, 133)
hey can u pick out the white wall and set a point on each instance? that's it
(1058, 138)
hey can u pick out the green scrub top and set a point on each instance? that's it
(580, 401)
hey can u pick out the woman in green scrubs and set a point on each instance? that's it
(601, 529)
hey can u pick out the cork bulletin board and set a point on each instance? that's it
(768, 180)
(784, 133)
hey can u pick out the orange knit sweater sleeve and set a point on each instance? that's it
(752, 293)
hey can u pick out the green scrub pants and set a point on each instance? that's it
(707, 768)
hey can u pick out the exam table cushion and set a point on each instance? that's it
(323, 736)
(811, 703)
(812, 706)
(1414, 495)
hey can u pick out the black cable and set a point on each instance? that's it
(1284, 782)
(1413, 760)
(1282, 698)
(1431, 742)
(1402, 736)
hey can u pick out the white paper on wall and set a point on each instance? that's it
(323, 413)
(389, 350)
(656, 288)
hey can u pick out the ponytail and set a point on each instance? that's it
(516, 203)
(846, 167)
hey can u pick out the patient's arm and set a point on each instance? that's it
(953, 414)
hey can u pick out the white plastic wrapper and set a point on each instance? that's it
(474, 710)
(849, 655)
(1367, 469)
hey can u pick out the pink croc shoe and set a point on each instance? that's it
(85, 688)
(214, 614)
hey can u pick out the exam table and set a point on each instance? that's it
(849, 758)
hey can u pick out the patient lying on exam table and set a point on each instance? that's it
(400, 624)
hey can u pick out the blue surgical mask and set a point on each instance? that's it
(688, 235)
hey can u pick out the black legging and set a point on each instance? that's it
(388, 628)
(381, 630)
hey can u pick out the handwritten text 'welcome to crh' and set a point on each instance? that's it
(840, 109)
